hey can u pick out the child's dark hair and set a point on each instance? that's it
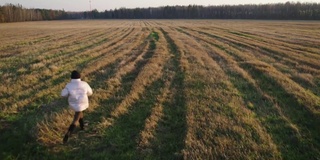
(75, 75)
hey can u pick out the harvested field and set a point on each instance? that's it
(163, 89)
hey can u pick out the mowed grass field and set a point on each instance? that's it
(163, 89)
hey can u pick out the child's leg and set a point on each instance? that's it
(76, 118)
(81, 121)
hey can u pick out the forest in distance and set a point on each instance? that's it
(276, 11)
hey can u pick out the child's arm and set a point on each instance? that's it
(89, 92)
(65, 92)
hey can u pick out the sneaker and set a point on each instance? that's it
(65, 139)
(81, 123)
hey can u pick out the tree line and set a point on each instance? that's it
(17, 13)
(278, 11)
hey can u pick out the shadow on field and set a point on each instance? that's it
(295, 130)
(292, 126)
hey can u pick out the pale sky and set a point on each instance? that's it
(101, 5)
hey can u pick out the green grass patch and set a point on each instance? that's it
(155, 35)
(153, 38)
(241, 34)
(289, 141)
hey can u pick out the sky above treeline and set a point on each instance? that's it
(101, 5)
